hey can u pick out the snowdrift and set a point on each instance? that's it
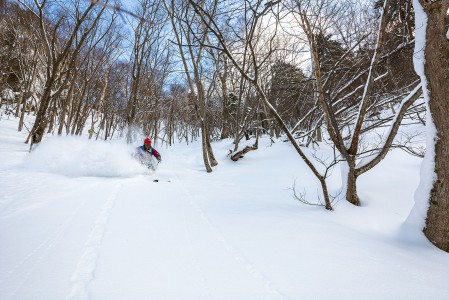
(78, 156)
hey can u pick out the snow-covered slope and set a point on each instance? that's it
(81, 220)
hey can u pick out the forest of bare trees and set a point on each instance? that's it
(309, 71)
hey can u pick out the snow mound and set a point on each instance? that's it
(77, 156)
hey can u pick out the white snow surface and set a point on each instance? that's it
(417, 217)
(76, 223)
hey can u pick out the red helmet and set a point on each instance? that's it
(147, 141)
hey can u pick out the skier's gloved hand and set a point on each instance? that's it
(159, 159)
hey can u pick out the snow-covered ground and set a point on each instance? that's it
(80, 219)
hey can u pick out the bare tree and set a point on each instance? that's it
(253, 15)
(349, 143)
(114, 106)
(146, 51)
(192, 52)
(20, 59)
(60, 54)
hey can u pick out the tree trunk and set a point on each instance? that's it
(103, 124)
(156, 122)
(210, 152)
(77, 117)
(22, 115)
(351, 188)
(437, 72)
(19, 102)
(205, 149)
(113, 128)
(319, 135)
(99, 104)
(52, 117)
(108, 127)
(65, 105)
(225, 92)
(327, 203)
(84, 115)
(37, 132)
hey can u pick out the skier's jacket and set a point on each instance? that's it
(151, 151)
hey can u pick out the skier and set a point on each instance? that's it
(145, 152)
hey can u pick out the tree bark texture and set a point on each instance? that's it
(38, 130)
(351, 191)
(205, 149)
(437, 73)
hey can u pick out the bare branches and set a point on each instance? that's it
(119, 8)
(406, 102)
(369, 82)
(303, 198)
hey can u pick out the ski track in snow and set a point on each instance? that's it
(85, 270)
(271, 291)
(43, 249)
